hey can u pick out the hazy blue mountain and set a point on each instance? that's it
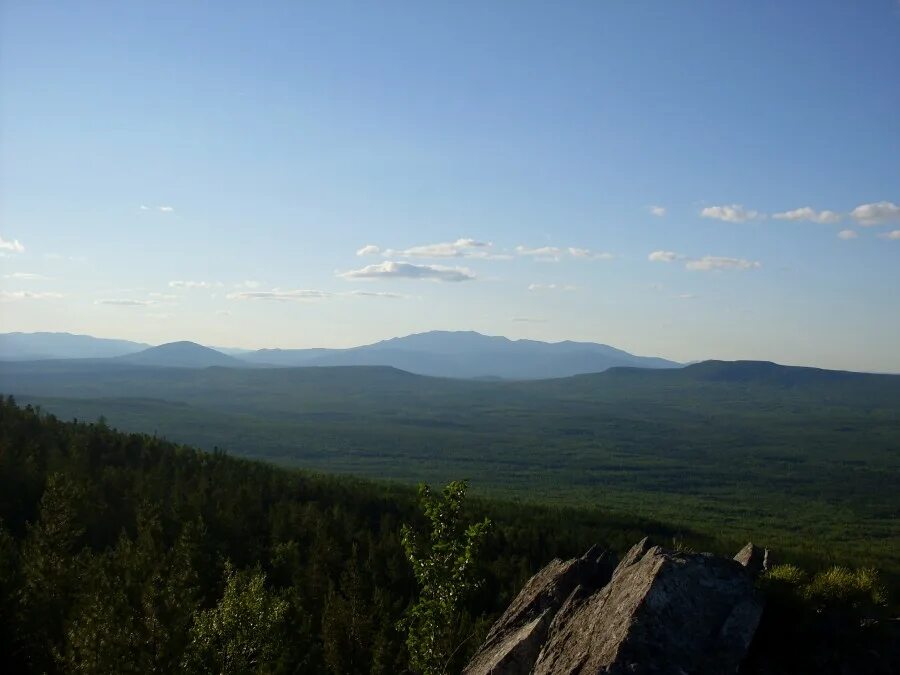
(232, 351)
(36, 346)
(288, 358)
(181, 355)
(468, 354)
(460, 354)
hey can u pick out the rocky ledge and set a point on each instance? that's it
(658, 611)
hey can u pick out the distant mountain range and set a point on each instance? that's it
(40, 346)
(467, 355)
(462, 354)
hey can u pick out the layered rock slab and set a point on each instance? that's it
(661, 612)
(514, 641)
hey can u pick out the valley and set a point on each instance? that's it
(804, 460)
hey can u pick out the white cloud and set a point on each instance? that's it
(528, 319)
(279, 295)
(223, 312)
(401, 270)
(165, 209)
(555, 253)
(13, 246)
(26, 276)
(12, 296)
(588, 254)
(664, 256)
(733, 213)
(706, 263)
(808, 213)
(248, 284)
(124, 302)
(893, 234)
(847, 234)
(543, 253)
(551, 287)
(144, 207)
(285, 295)
(713, 262)
(877, 213)
(375, 294)
(686, 296)
(461, 248)
(195, 284)
(658, 211)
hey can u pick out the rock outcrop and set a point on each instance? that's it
(755, 559)
(514, 641)
(660, 612)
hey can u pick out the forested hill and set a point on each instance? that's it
(803, 459)
(112, 545)
(126, 553)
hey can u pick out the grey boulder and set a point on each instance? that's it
(661, 612)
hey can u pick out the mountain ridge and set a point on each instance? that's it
(454, 354)
(42, 345)
(468, 355)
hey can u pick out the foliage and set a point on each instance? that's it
(786, 575)
(243, 633)
(841, 588)
(804, 460)
(443, 563)
(113, 545)
(824, 622)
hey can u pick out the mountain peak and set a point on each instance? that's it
(182, 354)
(181, 344)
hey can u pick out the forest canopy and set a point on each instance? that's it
(127, 553)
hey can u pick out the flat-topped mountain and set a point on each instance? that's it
(467, 354)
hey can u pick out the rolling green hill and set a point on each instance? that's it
(800, 459)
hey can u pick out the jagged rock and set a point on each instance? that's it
(754, 559)
(661, 612)
(513, 643)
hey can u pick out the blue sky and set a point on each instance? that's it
(209, 171)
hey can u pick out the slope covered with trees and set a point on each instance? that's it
(126, 553)
(806, 460)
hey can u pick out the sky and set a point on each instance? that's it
(688, 180)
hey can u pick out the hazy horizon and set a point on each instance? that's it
(304, 175)
(228, 348)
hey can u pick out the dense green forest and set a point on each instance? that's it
(112, 542)
(127, 553)
(806, 461)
